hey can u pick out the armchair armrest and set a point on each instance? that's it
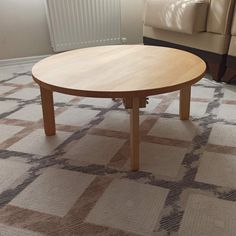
(185, 16)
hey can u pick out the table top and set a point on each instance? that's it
(119, 71)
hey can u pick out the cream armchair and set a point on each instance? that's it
(198, 26)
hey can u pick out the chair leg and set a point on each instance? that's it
(217, 70)
(230, 73)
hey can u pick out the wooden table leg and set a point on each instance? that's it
(48, 112)
(184, 106)
(134, 134)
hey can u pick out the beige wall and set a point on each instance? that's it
(132, 27)
(24, 31)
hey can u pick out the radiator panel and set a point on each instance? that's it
(83, 23)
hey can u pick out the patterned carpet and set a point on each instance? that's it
(79, 183)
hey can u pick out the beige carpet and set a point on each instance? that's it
(79, 183)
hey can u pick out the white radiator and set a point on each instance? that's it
(83, 23)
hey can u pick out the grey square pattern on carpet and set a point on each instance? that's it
(78, 182)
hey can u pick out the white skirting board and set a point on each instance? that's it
(22, 60)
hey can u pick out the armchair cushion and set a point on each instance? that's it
(220, 16)
(185, 16)
(233, 28)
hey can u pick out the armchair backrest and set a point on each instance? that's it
(220, 16)
(233, 28)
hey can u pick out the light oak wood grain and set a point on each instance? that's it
(184, 103)
(119, 71)
(130, 72)
(134, 133)
(48, 112)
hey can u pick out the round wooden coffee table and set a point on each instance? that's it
(131, 72)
